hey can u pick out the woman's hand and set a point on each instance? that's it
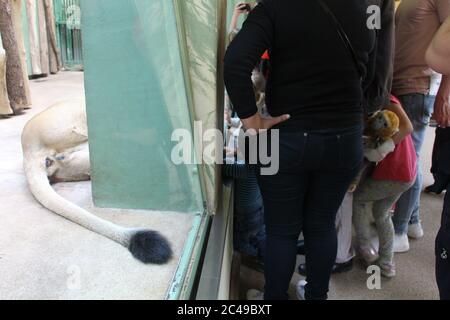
(405, 127)
(442, 111)
(257, 123)
(241, 8)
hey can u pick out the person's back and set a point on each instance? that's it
(417, 21)
(313, 76)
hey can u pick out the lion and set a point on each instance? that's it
(56, 149)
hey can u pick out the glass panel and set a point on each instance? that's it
(202, 31)
(136, 98)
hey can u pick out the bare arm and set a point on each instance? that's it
(442, 104)
(438, 54)
(242, 55)
(238, 10)
(406, 126)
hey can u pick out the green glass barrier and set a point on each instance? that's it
(136, 97)
(202, 30)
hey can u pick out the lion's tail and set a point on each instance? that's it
(145, 245)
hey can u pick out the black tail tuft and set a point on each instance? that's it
(150, 247)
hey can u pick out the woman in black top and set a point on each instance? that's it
(314, 94)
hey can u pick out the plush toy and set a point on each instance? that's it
(378, 143)
(381, 127)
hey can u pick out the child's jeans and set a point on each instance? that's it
(377, 197)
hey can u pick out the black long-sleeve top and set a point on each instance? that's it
(378, 92)
(313, 76)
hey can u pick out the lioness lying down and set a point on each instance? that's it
(55, 148)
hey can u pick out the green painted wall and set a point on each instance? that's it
(136, 96)
(68, 33)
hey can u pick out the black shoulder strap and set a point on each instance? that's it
(344, 37)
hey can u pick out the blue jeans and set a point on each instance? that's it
(419, 108)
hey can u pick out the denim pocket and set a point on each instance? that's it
(291, 149)
(427, 109)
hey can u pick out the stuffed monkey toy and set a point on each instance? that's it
(378, 143)
(381, 127)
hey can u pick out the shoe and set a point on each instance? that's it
(441, 182)
(388, 270)
(401, 243)
(301, 247)
(337, 268)
(301, 289)
(434, 189)
(255, 295)
(369, 255)
(415, 231)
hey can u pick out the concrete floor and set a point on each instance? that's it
(43, 256)
(415, 279)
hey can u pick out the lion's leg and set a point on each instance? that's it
(72, 165)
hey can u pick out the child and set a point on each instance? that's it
(249, 230)
(392, 176)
